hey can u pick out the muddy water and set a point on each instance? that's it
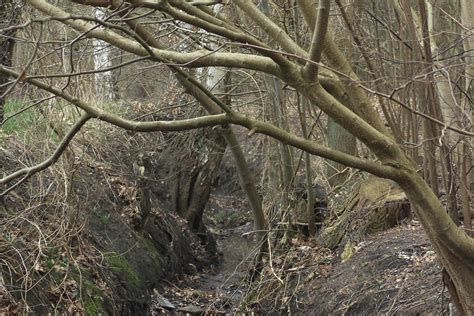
(217, 290)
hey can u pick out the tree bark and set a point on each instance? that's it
(205, 180)
(467, 18)
(342, 140)
(9, 16)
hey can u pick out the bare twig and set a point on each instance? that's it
(28, 172)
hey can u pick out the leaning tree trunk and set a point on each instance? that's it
(454, 248)
(197, 183)
(196, 174)
(207, 174)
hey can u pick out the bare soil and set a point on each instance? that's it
(394, 272)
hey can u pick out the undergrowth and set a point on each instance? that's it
(44, 253)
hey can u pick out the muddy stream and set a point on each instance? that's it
(218, 289)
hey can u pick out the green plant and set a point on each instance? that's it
(228, 219)
(16, 121)
(120, 265)
(92, 300)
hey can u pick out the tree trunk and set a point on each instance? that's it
(205, 180)
(339, 139)
(454, 248)
(9, 16)
(435, 111)
(102, 59)
(467, 18)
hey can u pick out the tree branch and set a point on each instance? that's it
(362, 105)
(222, 119)
(268, 26)
(225, 30)
(317, 42)
(204, 2)
(203, 13)
(94, 3)
(288, 138)
(28, 172)
(100, 114)
(194, 59)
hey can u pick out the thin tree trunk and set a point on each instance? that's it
(435, 111)
(102, 59)
(9, 16)
(310, 211)
(466, 211)
(339, 139)
(467, 18)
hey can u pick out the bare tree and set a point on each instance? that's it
(327, 83)
(9, 16)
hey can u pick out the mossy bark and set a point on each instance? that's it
(375, 206)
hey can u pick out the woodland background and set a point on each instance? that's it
(276, 145)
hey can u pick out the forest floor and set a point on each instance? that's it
(393, 272)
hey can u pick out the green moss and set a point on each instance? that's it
(119, 265)
(92, 299)
(92, 307)
(153, 252)
(104, 218)
(349, 249)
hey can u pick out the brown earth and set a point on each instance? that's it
(395, 272)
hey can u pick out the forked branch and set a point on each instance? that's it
(29, 171)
